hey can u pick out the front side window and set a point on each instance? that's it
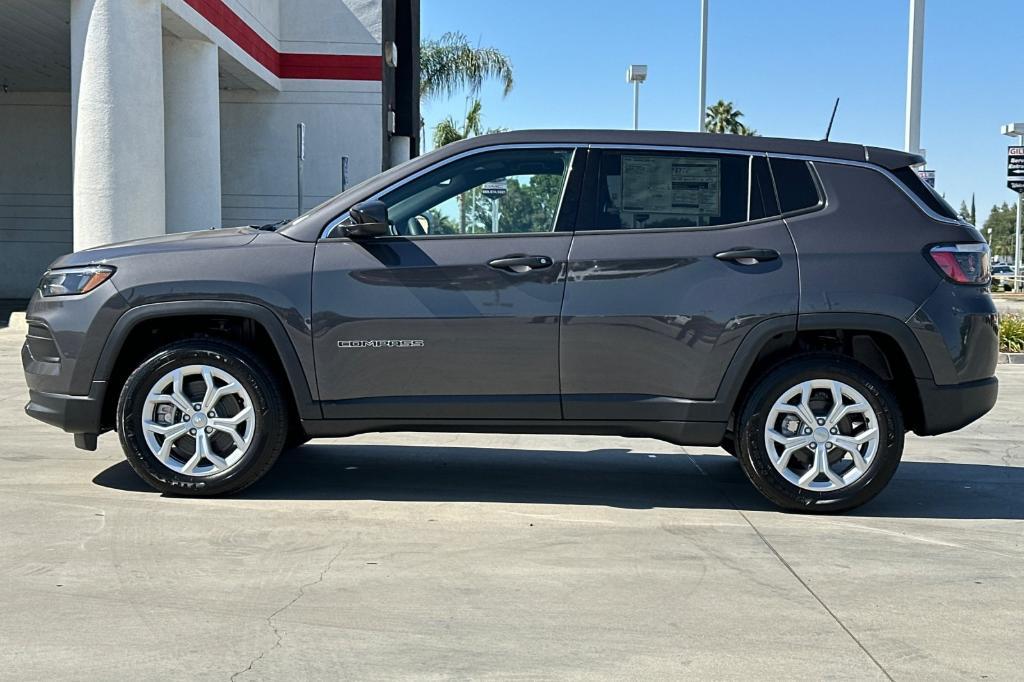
(649, 190)
(497, 192)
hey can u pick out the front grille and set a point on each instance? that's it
(41, 344)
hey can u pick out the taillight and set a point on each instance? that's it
(964, 263)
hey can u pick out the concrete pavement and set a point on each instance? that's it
(480, 556)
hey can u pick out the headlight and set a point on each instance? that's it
(70, 281)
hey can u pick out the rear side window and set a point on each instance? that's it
(649, 190)
(795, 184)
(909, 177)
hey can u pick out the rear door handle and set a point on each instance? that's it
(521, 264)
(748, 256)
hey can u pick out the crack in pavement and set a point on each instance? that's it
(270, 619)
(793, 572)
(812, 592)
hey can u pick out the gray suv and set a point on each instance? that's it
(800, 304)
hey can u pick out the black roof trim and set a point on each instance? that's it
(888, 158)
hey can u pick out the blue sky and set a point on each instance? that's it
(782, 62)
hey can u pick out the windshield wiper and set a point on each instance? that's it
(270, 227)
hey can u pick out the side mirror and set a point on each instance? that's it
(369, 219)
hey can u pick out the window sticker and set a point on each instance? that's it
(672, 185)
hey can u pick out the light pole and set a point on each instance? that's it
(1016, 130)
(915, 56)
(636, 74)
(702, 104)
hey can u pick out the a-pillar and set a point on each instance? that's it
(192, 134)
(117, 120)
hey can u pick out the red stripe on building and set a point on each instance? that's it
(286, 64)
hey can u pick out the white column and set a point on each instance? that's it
(915, 58)
(117, 119)
(401, 149)
(191, 134)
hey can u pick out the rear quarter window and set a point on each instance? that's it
(794, 181)
(909, 177)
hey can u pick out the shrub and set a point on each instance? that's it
(1011, 333)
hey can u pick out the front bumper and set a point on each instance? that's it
(72, 413)
(952, 407)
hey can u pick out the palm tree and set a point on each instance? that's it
(723, 118)
(452, 64)
(448, 131)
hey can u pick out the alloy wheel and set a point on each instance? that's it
(198, 420)
(821, 435)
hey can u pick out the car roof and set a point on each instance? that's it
(309, 227)
(889, 158)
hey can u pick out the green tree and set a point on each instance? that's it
(722, 117)
(532, 205)
(451, 64)
(969, 214)
(964, 212)
(448, 131)
(999, 228)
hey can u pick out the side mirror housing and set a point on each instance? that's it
(369, 219)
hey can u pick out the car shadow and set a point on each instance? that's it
(610, 477)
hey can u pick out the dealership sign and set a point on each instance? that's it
(495, 189)
(1015, 169)
(927, 177)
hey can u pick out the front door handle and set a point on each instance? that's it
(521, 264)
(748, 256)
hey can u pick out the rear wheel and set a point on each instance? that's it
(820, 433)
(201, 418)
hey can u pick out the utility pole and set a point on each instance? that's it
(915, 57)
(702, 97)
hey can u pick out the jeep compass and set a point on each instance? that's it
(801, 304)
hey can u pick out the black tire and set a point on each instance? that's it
(754, 457)
(271, 422)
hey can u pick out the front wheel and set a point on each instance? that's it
(820, 433)
(201, 418)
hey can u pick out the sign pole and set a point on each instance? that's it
(495, 190)
(1016, 241)
(300, 156)
(1015, 181)
(1016, 250)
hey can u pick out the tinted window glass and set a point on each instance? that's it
(909, 177)
(514, 190)
(646, 190)
(762, 193)
(795, 185)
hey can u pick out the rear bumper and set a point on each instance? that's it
(72, 413)
(948, 408)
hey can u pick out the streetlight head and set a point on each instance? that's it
(1013, 129)
(636, 73)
